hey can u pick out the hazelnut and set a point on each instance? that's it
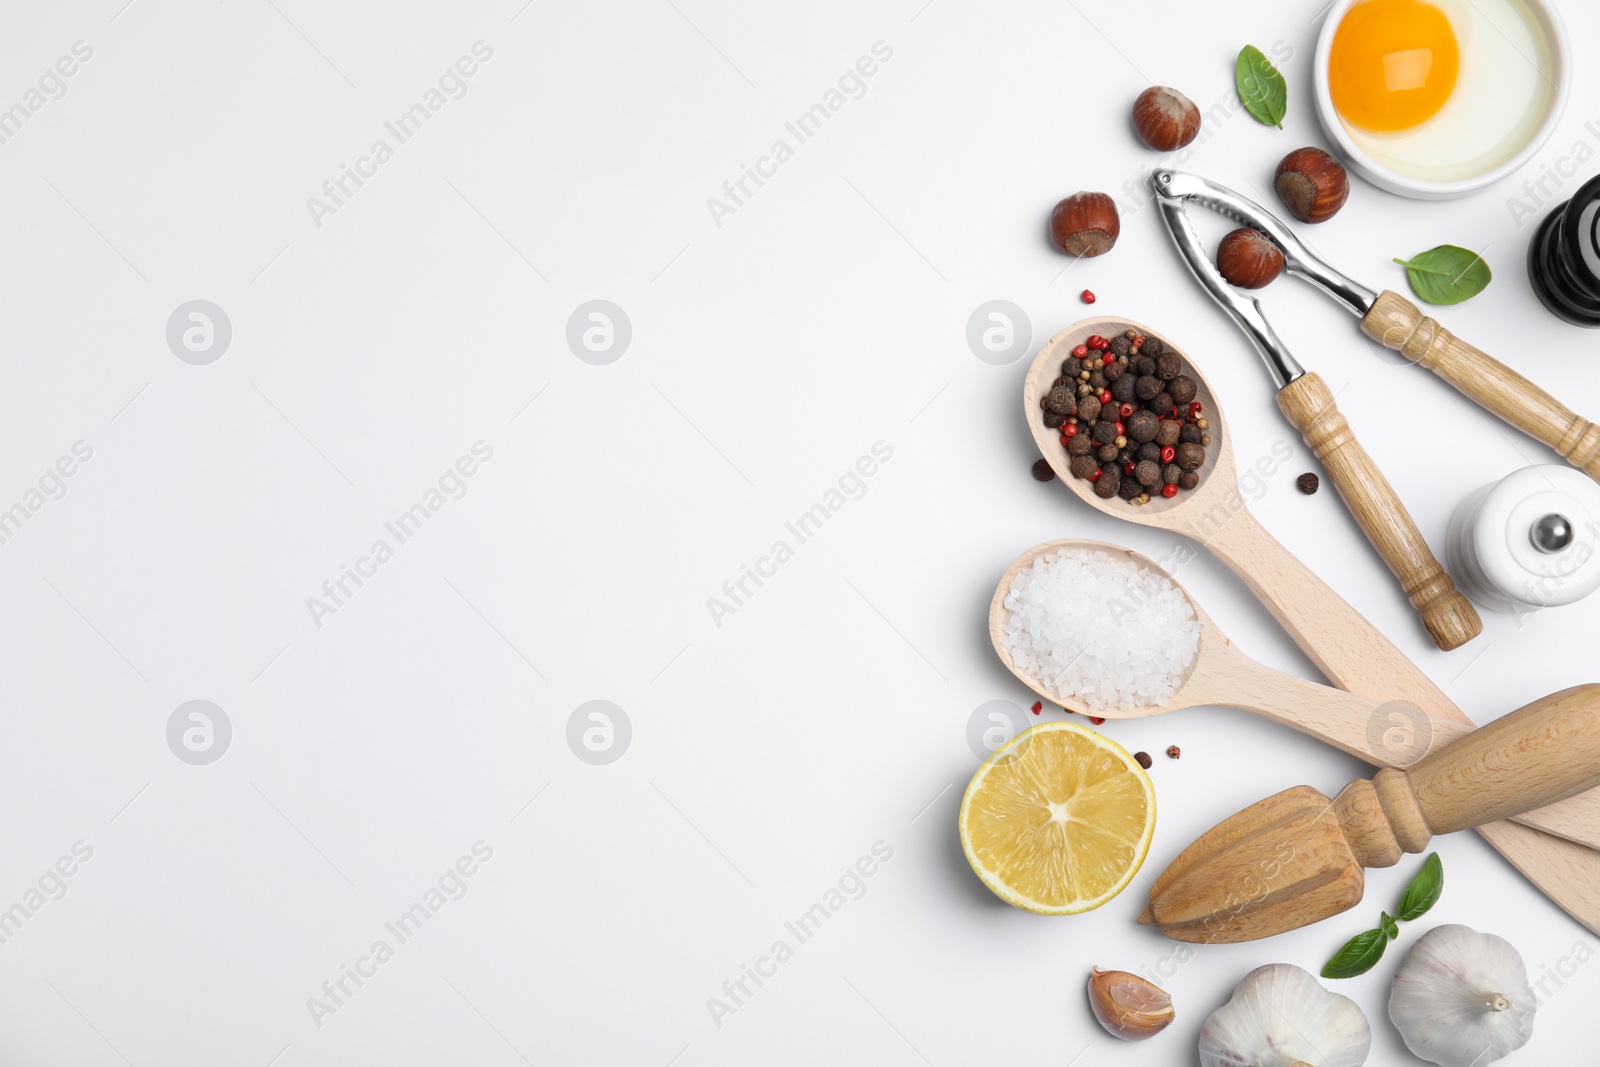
(1311, 184)
(1085, 224)
(1249, 259)
(1165, 119)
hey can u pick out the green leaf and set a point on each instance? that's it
(1447, 274)
(1390, 928)
(1261, 87)
(1424, 890)
(1359, 955)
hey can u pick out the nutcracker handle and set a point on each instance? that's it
(1395, 322)
(1450, 618)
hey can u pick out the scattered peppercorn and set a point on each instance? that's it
(1042, 471)
(1143, 759)
(1173, 751)
(1038, 706)
(1308, 483)
(1088, 297)
(1097, 720)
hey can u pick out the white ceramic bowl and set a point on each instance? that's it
(1419, 188)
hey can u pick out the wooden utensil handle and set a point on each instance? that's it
(1541, 753)
(1395, 322)
(1451, 619)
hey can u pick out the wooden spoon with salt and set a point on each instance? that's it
(1220, 673)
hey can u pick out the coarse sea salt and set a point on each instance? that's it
(1105, 633)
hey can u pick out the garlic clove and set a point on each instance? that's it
(1128, 1006)
(1461, 998)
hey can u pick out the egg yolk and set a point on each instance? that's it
(1393, 64)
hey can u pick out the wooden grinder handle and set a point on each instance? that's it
(1450, 618)
(1395, 322)
(1539, 754)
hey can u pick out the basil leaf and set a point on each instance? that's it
(1447, 274)
(1390, 928)
(1359, 955)
(1424, 890)
(1261, 87)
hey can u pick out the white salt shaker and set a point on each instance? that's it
(1529, 541)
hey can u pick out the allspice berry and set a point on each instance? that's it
(1083, 466)
(1142, 426)
(1249, 259)
(1183, 389)
(1088, 408)
(1109, 483)
(1312, 184)
(1190, 457)
(1147, 473)
(1085, 224)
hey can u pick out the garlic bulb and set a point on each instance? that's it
(1462, 999)
(1281, 1017)
(1128, 1006)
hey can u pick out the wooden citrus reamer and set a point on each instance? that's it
(1349, 651)
(1298, 857)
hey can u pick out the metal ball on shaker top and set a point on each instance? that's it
(1528, 541)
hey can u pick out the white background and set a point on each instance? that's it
(768, 354)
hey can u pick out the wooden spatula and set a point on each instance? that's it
(1297, 858)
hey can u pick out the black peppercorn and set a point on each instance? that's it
(1120, 346)
(1083, 466)
(1097, 379)
(1042, 471)
(1072, 366)
(1062, 400)
(1110, 481)
(1183, 389)
(1171, 474)
(1161, 403)
(1080, 445)
(1189, 480)
(1143, 759)
(1147, 473)
(1108, 453)
(1054, 421)
(1308, 483)
(1153, 347)
(1143, 365)
(1129, 489)
(1147, 386)
(1141, 426)
(1088, 408)
(1148, 450)
(1112, 371)
(1105, 432)
(1189, 433)
(1166, 433)
(1190, 456)
(1168, 366)
(1123, 388)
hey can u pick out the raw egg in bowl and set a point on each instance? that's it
(1438, 98)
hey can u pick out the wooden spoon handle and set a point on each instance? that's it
(1353, 655)
(1541, 753)
(1450, 618)
(1395, 322)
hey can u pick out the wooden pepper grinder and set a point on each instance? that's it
(1298, 857)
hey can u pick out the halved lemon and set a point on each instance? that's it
(1058, 820)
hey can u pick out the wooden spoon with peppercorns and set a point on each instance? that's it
(1350, 652)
